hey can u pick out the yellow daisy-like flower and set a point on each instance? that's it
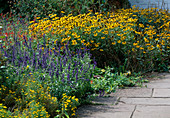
(119, 41)
(62, 12)
(113, 43)
(103, 70)
(102, 37)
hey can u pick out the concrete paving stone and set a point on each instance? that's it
(146, 101)
(152, 3)
(161, 85)
(134, 92)
(105, 111)
(105, 100)
(152, 112)
(161, 81)
(161, 93)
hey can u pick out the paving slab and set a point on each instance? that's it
(152, 112)
(133, 92)
(163, 85)
(105, 100)
(161, 93)
(146, 101)
(105, 111)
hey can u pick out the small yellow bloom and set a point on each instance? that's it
(4, 107)
(113, 43)
(102, 37)
(119, 41)
(124, 42)
(27, 66)
(103, 70)
(101, 49)
(62, 12)
(95, 34)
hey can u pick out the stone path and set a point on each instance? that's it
(150, 102)
(161, 4)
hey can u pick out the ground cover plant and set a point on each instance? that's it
(48, 65)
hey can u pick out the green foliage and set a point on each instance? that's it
(4, 6)
(109, 82)
(125, 40)
(43, 8)
(3, 69)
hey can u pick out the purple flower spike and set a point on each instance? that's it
(68, 77)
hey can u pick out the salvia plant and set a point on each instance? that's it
(62, 69)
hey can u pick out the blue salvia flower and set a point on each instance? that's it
(60, 66)
(57, 73)
(77, 71)
(63, 77)
(73, 72)
(26, 44)
(68, 77)
(69, 67)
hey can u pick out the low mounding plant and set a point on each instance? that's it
(129, 39)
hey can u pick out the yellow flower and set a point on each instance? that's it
(102, 37)
(95, 34)
(119, 41)
(141, 48)
(134, 44)
(146, 40)
(74, 42)
(4, 107)
(96, 45)
(124, 42)
(101, 49)
(27, 66)
(62, 12)
(103, 70)
(113, 43)
(133, 49)
(91, 41)
(76, 99)
(137, 46)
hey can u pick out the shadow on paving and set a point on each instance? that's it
(131, 102)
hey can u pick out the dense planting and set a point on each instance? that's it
(135, 39)
(48, 66)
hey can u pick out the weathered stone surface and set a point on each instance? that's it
(105, 100)
(106, 111)
(165, 85)
(134, 92)
(152, 112)
(146, 101)
(161, 93)
(151, 3)
(151, 102)
(162, 80)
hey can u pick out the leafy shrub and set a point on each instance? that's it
(4, 6)
(37, 73)
(68, 106)
(104, 81)
(3, 69)
(4, 113)
(43, 8)
(128, 39)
